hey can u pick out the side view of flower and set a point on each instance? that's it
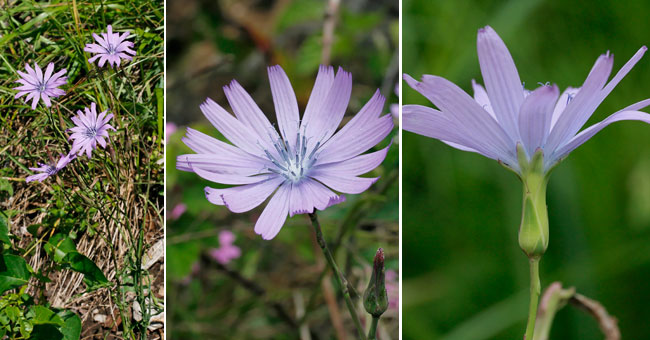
(38, 85)
(47, 170)
(506, 117)
(303, 167)
(529, 132)
(111, 47)
(90, 129)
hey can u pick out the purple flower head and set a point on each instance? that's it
(111, 47)
(300, 167)
(508, 123)
(90, 129)
(226, 251)
(36, 84)
(47, 170)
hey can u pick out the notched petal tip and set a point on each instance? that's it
(411, 81)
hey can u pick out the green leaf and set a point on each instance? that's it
(13, 272)
(72, 328)
(93, 276)
(13, 313)
(46, 332)
(4, 229)
(5, 185)
(59, 246)
(44, 315)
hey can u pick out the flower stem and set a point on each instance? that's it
(535, 289)
(343, 283)
(372, 333)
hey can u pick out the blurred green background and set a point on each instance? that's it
(465, 277)
(209, 43)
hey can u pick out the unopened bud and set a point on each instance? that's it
(375, 298)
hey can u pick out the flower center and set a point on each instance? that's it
(41, 87)
(293, 163)
(111, 49)
(51, 170)
(90, 132)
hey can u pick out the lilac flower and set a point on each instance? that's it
(226, 251)
(111, 47)
(303, 163)
(38, 85)
(508, 123)
(47, 170)
(178, 211)
(90, 129)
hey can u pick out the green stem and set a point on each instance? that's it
(372, 333)
(535, 289)
(343, 283)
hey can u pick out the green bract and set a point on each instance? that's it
(533, 231)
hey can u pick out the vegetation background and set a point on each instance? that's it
(209, 43)
(465, 277)
(110, 206)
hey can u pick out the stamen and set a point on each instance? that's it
(51, 170)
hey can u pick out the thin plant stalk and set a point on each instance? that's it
(342, 281)
(372, 333)
(535, 290)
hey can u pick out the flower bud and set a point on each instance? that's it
(533, 231)
(375, 298)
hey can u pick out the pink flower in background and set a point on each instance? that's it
(178, 211)
(111, 47)
(170, 128)
(303, 166)
(226, 251)
(91, 129)
(47, 170)
(37, 85)
(392, 288)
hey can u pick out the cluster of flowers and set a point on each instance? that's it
(90, 128)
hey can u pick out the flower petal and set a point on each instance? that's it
(332, 109)
(228, 178)
(286, 105)
(301, 201)
(535, 117)
(231, 128)
(566, 97)
(247, 111)
(481, 97)
(581, 106)
(356, 166)
(478, 126)
(215, 162)
(243, 198)
(275, 214)
(340, 183)
(362, 132)
(321, 196)
(432, 123)
(589, 132)
(322, 86)
(501, 79)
